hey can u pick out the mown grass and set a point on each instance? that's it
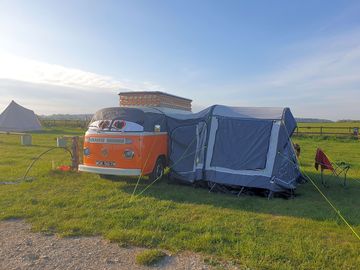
(302, 233)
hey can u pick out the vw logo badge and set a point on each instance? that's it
(105, 152)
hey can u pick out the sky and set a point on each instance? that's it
(76, 56)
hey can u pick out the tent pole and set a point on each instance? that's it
(241, 190)
(212, 187)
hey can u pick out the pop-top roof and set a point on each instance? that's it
(152, 92)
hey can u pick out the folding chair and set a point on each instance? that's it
(337, 169)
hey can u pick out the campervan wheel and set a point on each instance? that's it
(158, 170)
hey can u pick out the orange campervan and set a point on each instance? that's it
(126, 141)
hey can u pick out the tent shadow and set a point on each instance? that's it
(308, 202)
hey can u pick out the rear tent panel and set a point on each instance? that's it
(286, 169)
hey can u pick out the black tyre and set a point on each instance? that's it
(158, 171)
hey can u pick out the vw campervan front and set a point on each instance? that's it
(126, 141)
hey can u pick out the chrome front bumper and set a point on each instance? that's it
(110, 171)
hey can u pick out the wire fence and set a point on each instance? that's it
(350, 131)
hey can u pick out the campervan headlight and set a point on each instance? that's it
(129, 154)
(86, 151)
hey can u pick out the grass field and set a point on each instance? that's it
(253, 232)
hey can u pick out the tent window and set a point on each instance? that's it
(241, 144)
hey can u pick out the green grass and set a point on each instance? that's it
(149, 257)
(303, 233)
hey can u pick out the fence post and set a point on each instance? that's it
(321, 131)
(75, 152)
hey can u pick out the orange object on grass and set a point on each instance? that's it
(64, 168)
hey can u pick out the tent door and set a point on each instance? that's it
(187, 150)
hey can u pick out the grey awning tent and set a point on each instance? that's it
(19, 119)
(236, 146)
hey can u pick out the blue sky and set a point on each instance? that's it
(74, 56)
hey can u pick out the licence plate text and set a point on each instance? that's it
(105, 163)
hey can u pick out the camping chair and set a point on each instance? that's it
(337, 169)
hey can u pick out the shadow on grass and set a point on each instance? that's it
(308, 202)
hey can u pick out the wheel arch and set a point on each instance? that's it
(164, 159)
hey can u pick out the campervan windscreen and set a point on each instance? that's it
(116, 125)
(128, 119)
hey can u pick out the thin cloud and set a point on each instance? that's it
(51, 99)
(17, 68)
(49, 88)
